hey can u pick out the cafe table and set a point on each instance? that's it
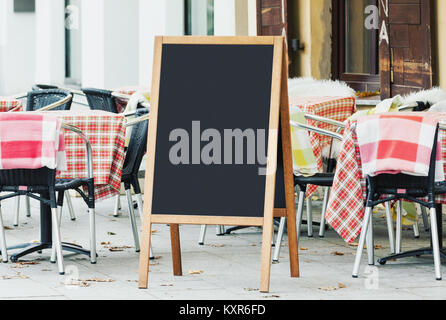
(334, 108)
(345, 211)
(106, 134)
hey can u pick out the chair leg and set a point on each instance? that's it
(362, 239)
(399, 226)
(28, 207)
(140, 213)
(425, 220)
(133, 220)
(324, 209)
(435, 243)
(70, 206)
(117, 206)
(202, 234)
(370, 242)
(279, 239)
(53, 249)
(310, 217)
(416, 229)
(92, 215)
(57, 242)
(390, 228)
(3, 239)
(299, 213)
(17, 211)
(220, 230)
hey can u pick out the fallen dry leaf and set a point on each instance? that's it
(7, 228)
(196, 271)
(378, 246)
(328, 288)
(111, 233)
(250, 289)
(105, 243)
(97, 280)
(154, 231)
(272, 296)
(77, 283)
(17, 276)
(304, 249)
(167, 285)
(340, 286)
(216, 245)
(337, 253)
(119, 248)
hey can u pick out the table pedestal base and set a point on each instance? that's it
(413, 253)
(39, 247)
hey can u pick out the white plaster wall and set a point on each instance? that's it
(225, 17)
(121, 44)
(17, 49)
(156, 18)
(93, 41)
(50, 42)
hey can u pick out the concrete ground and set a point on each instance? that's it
(225, 268)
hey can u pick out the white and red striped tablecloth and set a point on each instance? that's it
(335, 108)
(345, 209)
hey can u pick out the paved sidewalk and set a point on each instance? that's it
(225, 267)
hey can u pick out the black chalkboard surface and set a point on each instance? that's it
(218, 87)
(219, 147)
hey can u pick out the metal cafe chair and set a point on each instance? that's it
(384, 188)
(133, 159)
(99, 99)
(29, 182)
(320, 179)
(42, 99)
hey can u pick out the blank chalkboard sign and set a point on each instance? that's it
(214, 139)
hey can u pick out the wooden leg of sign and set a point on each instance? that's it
(144, 257)
(288, 170)
(265, 270)
(176, 249)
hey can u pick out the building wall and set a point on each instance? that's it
(17, 48)
(441, 42)
(315, 33)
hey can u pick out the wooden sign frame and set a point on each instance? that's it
(279, 111)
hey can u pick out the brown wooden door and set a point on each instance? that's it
(271, 17)
(405, 46)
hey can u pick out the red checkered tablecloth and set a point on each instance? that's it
(106, 133)
(10, 105)
(345, 209)
(335, 108)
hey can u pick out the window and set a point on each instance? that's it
(355, 43)
(199, 17)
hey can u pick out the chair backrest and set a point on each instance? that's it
(41, 98)
(137, 146)
(40, 179)
(37, 87)
(99, 99)
(415, 186)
